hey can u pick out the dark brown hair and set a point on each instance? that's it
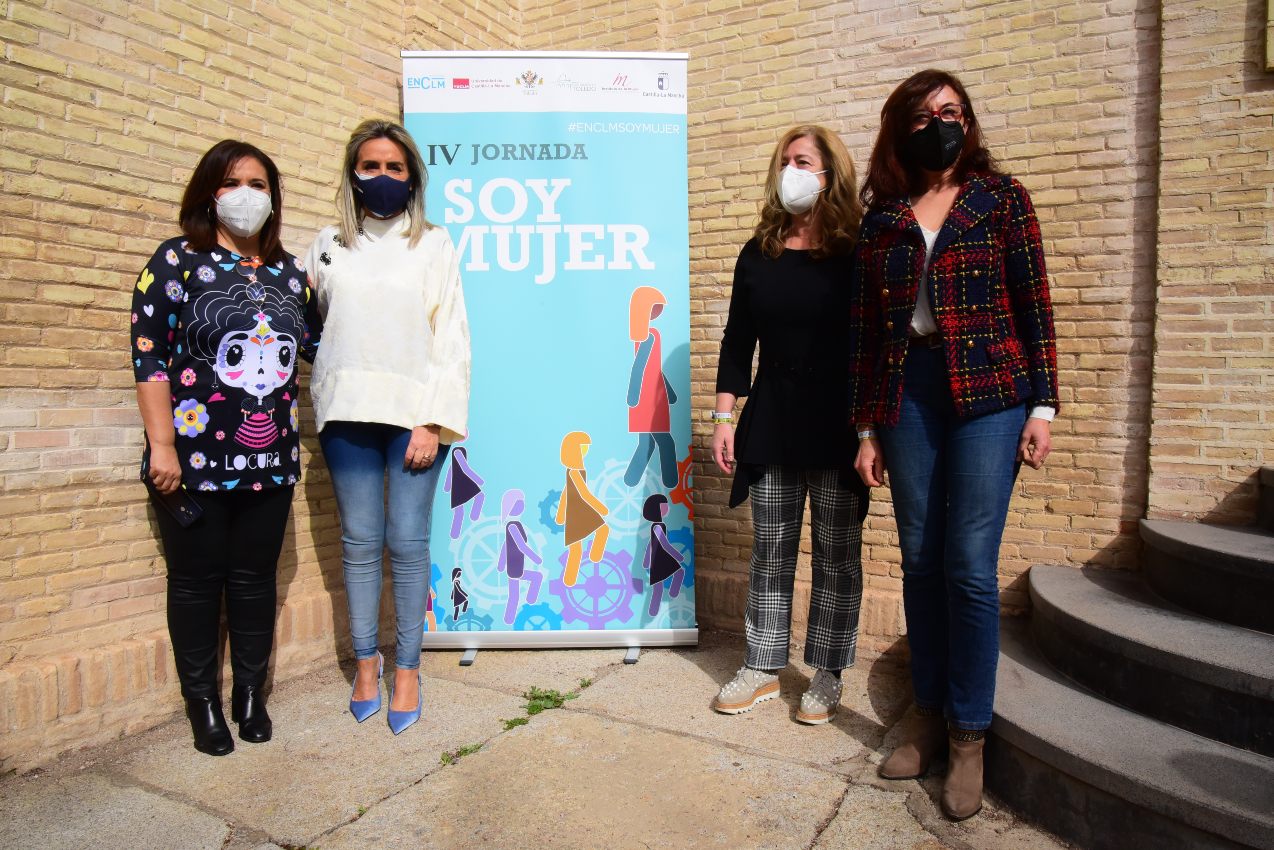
(839, 212)
(888, 176)
(198, 215)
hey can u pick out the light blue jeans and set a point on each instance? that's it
(362, 456)
(951, 480)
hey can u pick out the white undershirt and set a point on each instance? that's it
(922, 323)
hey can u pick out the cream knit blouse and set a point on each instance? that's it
(395, 345)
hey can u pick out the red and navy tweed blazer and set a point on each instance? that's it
(989, 294)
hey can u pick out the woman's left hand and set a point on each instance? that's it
(1035, 443)
(423, 447)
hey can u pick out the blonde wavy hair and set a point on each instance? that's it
(350, 208)
(838, 209)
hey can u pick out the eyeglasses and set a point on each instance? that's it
(951, 113)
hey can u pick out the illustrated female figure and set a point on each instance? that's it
(662, 561)
(514, 552)
(459, 599)
(431, 621)
(579, 510)
(258, 361)
(649, 391)
(465, 486)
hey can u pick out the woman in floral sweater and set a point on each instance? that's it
(219, 316)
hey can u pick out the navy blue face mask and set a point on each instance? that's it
(383, 195)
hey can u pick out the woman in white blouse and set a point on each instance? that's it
(391, 393)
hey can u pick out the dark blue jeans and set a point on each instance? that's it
(951, 481)
(363, 457)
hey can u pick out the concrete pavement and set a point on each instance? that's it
(637, 760)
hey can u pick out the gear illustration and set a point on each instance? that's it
(683, 493)
(683, 540)
(680, 611)
(539, 617)
(471, 621)
(477, 552)
(603, 592)
(624, 502)
(548, 510)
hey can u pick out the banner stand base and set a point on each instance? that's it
(466, 660)
(569, 639)
(630, 657)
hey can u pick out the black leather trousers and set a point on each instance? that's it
(231, 551)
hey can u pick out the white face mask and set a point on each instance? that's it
(798, 189)
(244, 210)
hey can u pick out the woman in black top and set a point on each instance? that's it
(219, 316)
(795, 436)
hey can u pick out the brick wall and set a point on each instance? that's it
(1214, 370)
(106, 106)
(1068, 96)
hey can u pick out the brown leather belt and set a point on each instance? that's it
(933, 340)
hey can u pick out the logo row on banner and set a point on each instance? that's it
(653, 83)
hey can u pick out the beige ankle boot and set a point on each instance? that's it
(962, 790)
(922, 740)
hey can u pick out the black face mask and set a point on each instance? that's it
(936, 146)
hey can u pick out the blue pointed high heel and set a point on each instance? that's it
(365, 708)
(400, 720)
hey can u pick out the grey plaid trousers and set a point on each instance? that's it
(778, 507)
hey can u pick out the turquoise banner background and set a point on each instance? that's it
(572, 272)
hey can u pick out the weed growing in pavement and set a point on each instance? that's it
(515, 722)
(455, 755)
(538, 699)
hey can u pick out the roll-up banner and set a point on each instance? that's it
(565, 517)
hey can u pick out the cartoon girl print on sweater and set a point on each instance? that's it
(649, 391)
(250, 334)
(662, 561)
(514, 553)
(258, 361)
(579, 511)
(465, 487)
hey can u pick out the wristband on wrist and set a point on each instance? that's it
(722, 418)
(866, 433)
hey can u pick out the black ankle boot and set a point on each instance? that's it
(208, 724)
(247, 708)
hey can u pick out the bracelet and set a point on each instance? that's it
(866, 433)
(722, 418)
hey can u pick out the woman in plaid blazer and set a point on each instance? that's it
(954, 385)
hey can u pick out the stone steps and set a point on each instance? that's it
(1265, 498)
(1111, 634)
(1107, 778)
(1137, 711)
(1223, 572)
